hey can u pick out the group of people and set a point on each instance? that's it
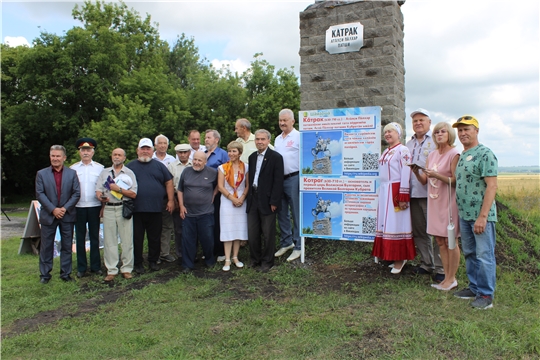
(205, 195)
(221, 199)
(428, 189)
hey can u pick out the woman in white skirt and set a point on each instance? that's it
(233, 186)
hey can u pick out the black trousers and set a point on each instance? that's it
(90, 216)
(178, 226)
(218, 245)
(261, 235)
(149, 223)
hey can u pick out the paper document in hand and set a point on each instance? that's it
(117, 195)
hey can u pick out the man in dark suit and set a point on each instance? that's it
(263, 201)
(58, 191)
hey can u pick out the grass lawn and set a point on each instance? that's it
(337, 305)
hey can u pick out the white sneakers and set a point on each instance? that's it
(283, 250)
(295, 255)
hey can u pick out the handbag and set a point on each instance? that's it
(127, 208)
(450, 228)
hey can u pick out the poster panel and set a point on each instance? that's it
(339, 177)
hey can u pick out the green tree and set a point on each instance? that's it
(216, 101)
(64, 84)
(114, 79)
(268, 92)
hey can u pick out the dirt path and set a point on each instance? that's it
(13, 228)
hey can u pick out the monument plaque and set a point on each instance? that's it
(344, 38)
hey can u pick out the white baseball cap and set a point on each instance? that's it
(145, 142)
(421, 111)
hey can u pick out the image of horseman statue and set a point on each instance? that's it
(321, 146)
(322, 226)
(323, 206)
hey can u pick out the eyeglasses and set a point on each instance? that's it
(466, 118)
(442, 131)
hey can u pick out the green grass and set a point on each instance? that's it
(286, 314)
(338, 305)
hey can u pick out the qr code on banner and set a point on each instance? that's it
(369, 225)
(370, 161)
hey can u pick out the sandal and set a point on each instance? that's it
(227, 267)
(238, 264)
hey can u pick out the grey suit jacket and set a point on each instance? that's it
(48, 198)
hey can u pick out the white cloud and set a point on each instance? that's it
(335, 210)
(16, 41)
(461, 57)
(335, 147)
(238, 65)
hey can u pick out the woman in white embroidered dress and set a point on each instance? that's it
(233, 185)
(393, 237)
(439, 173)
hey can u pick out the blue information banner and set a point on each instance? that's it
(339, 177)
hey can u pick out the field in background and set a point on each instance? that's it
(521, 192)
(509, 182)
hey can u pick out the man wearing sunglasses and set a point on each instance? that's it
(476, 185)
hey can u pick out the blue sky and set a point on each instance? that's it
(461, 57)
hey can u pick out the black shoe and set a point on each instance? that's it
(186, 271)
(438, 278)
(153, 266)
(44, 280)
(167, 258)
(67, 278)
(265, 268)
(139, 269)
(81, 274)
(97, 272)
(420, 271)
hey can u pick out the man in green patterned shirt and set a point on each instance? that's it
(476, 185)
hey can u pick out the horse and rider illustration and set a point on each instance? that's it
(321, 146)
(323, 206)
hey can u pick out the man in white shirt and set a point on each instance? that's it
(194, 138)
(242, 128)
(176, 168)
(88, 207)
(288, 145)
(161, 144)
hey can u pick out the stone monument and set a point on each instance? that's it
(374, 75)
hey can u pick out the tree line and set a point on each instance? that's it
(113, 79)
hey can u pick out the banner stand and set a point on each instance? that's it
(32, 231)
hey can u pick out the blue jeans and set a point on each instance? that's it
(202, 228)
(479, 252)
(290, 204)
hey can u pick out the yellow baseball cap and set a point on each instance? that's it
(466, 120)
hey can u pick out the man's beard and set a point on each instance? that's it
(144, 159)
(118, 162)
